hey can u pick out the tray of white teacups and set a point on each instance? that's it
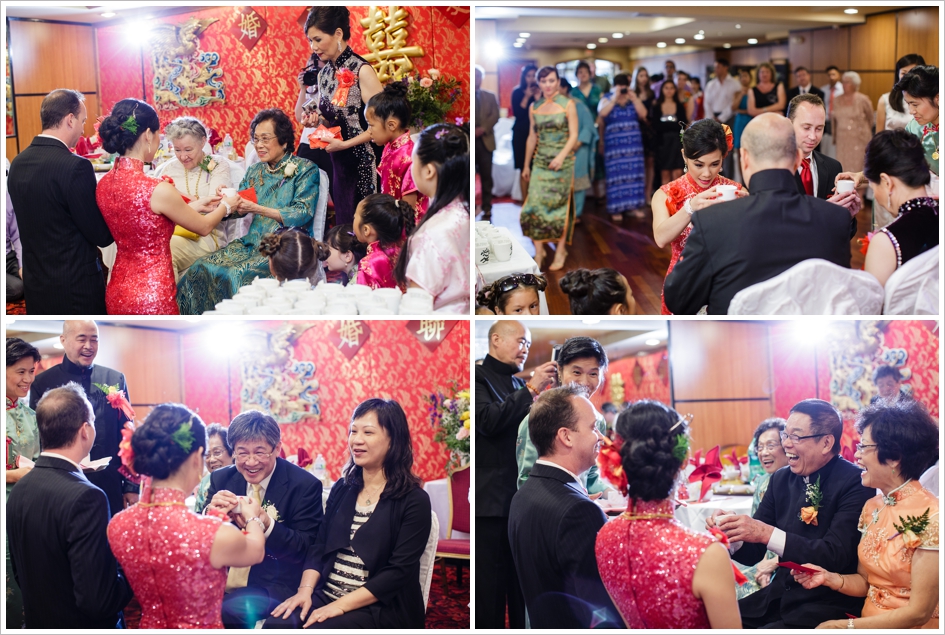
(492, 243)
(268, 296)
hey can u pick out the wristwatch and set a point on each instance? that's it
(850, 623)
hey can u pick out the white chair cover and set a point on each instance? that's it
(321, 207)
(427, 560)
(812, 287)
(913, 288)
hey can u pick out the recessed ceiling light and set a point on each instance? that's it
(850, 11)
(518, 45)
(524, 34)
(701, 32)
(661, 45)
(652, 342)
(726, 46)
(58, 345)
(617, 36)
(591, 46)
(108, 14)
(680, 40)
(738, 26)
(752, 40)
(602, 40)
(698, 36)
(520, 40)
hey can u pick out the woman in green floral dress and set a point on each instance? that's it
(286, 188)
(548, 212)
(22, 441)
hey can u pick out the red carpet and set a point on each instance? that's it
(443, 611)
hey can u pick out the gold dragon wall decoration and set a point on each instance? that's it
(184, 76)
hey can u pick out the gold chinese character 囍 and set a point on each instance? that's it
(249, 25)
(385, 35)
(431, 330)
(350, 333)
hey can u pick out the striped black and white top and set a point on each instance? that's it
(349, 572)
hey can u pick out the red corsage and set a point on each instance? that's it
(127, 454)
(346, 80)
(865, 242)
(729, 137)
(740, 578)
(611, 465)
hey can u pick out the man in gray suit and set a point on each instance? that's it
(487, 114)
(553, 524)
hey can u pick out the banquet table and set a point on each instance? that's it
(694, 515)
(520, 262)
(438, 491)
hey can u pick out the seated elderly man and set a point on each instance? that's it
(809, 514)
(738, 243)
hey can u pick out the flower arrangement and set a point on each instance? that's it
(449, 416)
(431, 97)
(815, 497)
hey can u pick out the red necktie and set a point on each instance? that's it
(807, 177)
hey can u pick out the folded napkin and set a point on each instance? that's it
(319, 139)
(304, 458)
(709, 471)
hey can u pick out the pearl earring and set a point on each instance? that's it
(339, 47)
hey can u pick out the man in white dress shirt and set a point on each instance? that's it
(719, 93)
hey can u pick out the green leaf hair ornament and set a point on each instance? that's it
(130, 124)
(184, 437)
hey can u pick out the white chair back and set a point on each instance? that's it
(913, 288)
(237, 172)
(812, 287)
(427, 560)
(321, 207)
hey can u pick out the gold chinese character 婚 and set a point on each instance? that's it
(431, 330)
(385, 35)
(350, 333)
(249, 25)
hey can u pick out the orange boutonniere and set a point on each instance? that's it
(814, 496)
(910, 529)
(346, 80)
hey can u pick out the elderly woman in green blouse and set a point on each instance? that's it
(582, 361)
(22, 443)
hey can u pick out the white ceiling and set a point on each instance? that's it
(92, 14)
(563, 27)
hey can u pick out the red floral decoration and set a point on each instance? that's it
(346, 80)
(729, 137)
(611, 465)
(127, 454)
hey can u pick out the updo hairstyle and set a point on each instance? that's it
(293, 254)
(330, 19)
(899, 154)
(158, 452)
(392, 102)
(704, 137)
(647, 450)
(593, 292)
(116, 138)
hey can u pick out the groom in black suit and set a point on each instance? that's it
(738, 243)
(56, 524)
(783, 523)
(553, 524)
(292, 500)
(53, 193)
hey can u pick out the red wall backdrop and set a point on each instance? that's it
(652, 385)
(392, 364)
(265, 77)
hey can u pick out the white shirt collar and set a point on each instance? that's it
(56, 455)
(49, 136)
(552, 464)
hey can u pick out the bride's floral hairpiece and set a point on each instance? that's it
(184, 437)
(681, 449)
(131, 123)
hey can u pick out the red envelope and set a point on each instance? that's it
(793, 566)
(315, 143)
(249, 194)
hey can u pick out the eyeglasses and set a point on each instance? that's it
(217, 453)
(861, 446)
(770, 447)
(796, 439)
(266, 138)
(242, 457)
(508, 283)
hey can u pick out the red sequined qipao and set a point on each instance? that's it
(164, 549)
(677, 193)
(142, 280)
(647, 565)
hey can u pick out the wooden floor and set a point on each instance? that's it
(627, 247)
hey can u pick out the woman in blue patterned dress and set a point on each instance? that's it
(286, 189)
(619, 126)
(345, 84)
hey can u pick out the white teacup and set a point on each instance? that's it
(727, 192)
(229, 192)
(297, 285)
(390, 297)
(341, 308)
(268, 284)
(502, 248)
(845, 186)
(482, 251)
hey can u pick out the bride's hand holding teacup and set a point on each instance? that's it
(250, 508)
(206, 204)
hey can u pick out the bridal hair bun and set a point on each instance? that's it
(704, 137)
(128, 121)
(593, 292)
(649, 431)
(269, 244)
(168, 436)
(577, 282)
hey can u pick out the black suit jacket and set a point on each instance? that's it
(553, 528)
(297, 495)
(502, 401)
(827, 170)
(53, 193)
(56, 524)
(831, 544)
(738, 243)
(794, 92)
(390, 544)
(108, 420)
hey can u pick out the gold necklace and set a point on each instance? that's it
(196, 193)
(376, 489)
(630, 516)
(165, 504)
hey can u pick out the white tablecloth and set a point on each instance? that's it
(438, 491)
(520, 262)
(695, 514)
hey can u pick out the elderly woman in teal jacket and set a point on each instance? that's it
(584, 153)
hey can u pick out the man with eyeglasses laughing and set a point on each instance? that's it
(809, 514)
(292, 500)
